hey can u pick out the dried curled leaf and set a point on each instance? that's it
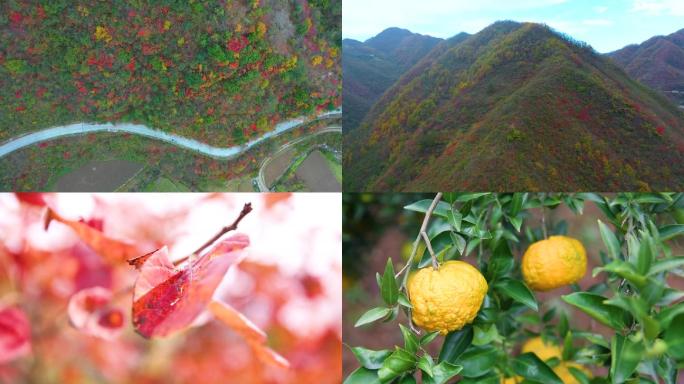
(255, 337)
(113, 251)
(168, 300)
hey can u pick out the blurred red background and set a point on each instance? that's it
(289, 285)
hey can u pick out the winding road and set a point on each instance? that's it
(261, 182)
(184, 142)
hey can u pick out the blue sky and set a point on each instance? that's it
(605, 24)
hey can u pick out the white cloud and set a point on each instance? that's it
(659, 7)
(601, 9)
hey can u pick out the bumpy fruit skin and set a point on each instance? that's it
(554, 262)
(546, 351)
(448, 298)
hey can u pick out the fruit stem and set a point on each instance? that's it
(543, 220)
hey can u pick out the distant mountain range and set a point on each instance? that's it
(370, 67)
(516, 106)
(657, 62)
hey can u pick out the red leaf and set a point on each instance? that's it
(91, 311)
(167, 300)
(113, 251)
(15, 17)
(15, 334)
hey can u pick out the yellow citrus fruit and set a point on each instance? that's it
(546, 351)
(563, 372)
(554, 262)
(447, 298)
(511, 380)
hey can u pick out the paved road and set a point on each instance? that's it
(184, 142)
(261, 183)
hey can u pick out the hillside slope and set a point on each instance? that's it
(657, 62)
(517, 107)
(370, 67)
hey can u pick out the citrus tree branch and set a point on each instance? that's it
(423, 230)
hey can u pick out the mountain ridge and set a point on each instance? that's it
(657, 62)
(516, 106)
(370, 68)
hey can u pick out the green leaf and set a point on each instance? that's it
(669, 231)
(477, 361)
(399, 362)
(427, 338)
(455, 343)
(639, 309)
(516, 204)
(674, 337)
(459, 242)
(408, 380)
(650, 198)
(563, 325)
(646, 256)
(389, 288)
(518, 291)
(410, 340)
(403, 300)
(442, 208)
(442, 372)
(455, 218)
(581, 377)
(370, 359)
(568, 349)
(624, 358)
(489, 378)
(594, 306)
(531, 367)
(666, 315)
(363, 376)
(463, 197)
(668, 264)
(485, 335)
(373, 315)
(501, 262)
(624, 270)
(609, 240)
(425, 363)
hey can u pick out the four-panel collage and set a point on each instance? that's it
(341, 191)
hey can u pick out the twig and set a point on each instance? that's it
(245, 210)
(543, 220)
(421, 234)
(422, 231)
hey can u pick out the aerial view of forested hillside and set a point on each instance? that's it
(222, 73)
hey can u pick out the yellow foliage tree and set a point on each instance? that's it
(102, 34)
